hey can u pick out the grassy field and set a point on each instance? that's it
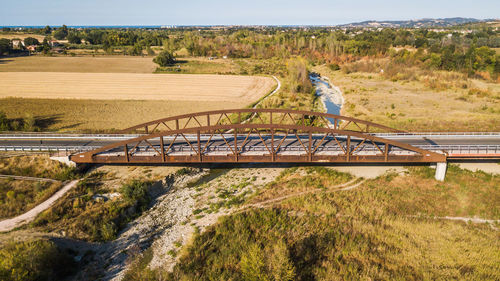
(87, 64)
(387, 228)
(202, 66)
(419, 101)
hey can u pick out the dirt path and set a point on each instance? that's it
(491, 223)
(341, 187)
(9, 224)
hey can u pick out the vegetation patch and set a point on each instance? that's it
(19, 196)
(34, 260)
(384, 229)
(87, 213)
(36, 166)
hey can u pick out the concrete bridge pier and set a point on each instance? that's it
(440, 171)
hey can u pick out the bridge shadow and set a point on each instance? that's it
(223, 168)
(45, 121)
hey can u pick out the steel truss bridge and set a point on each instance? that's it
(275, 136)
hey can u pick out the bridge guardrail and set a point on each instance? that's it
(439, 134)
(130, 136)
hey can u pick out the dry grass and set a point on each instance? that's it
(382, 230)
(419, 104)
(128, 86)
(21, 36)
(35, 166)
(100, 64)
(103, 115)
(203, 66)
(19, 196)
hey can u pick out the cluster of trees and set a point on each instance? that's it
(448, 50)
(452, 57)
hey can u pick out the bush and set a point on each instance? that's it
(34, 260)
(136, 192)
(165, 58)
(334, 66)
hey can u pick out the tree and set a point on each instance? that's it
(60, 34)
(165, 58)
(47, 30)
(74, 38)
(31, 41)
(5, 46)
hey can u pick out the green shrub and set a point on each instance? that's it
(165, 58)
(136, 192)
(34, 260)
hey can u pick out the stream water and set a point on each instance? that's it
(330, 95)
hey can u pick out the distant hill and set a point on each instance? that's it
(447, 22)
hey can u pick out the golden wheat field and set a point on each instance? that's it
(134, 86)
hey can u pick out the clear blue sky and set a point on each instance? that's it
(211, 12)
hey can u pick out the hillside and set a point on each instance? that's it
(445, 22)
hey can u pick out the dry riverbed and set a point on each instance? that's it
(186, 203)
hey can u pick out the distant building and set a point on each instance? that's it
(17, 44)
(31, 48)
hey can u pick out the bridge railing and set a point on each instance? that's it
(439, 134)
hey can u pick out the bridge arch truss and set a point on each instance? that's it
(272, 136)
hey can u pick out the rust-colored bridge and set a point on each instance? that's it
(259, 135)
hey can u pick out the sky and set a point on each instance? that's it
(225, 12)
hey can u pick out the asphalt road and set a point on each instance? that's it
(291, 140)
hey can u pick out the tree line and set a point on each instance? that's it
(452, 49)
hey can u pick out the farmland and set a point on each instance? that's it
(125, 86)
(111, 92)
(87, 64)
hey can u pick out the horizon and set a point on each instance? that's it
(230, 13)
(244, 25)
